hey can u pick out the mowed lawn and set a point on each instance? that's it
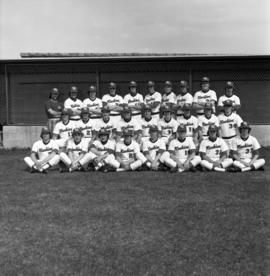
(139, 223)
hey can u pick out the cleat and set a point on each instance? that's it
(173, 170)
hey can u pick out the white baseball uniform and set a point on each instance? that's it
(234, 99)
(112, 102)
(108, 126)
(93, 105)
(133, 101)
(133, 124)
(145, 125)
(73, 105)
(181, 99)
(190, 123)
(201, 97)
(169, 98)
(151, 98)
(64, 132)
(204, 123)
(167, 129)
(86, 128)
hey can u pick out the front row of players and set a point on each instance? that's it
(105, 154)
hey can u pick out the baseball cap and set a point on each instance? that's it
(84, 110)
(76, 131)
(150, 84)
(73, 89)
(212, 128)
(183, 83)
(205, 79)
(103, 131)
(65, 111)
(105, 109)
(166, 109)
(133, 84)
(244, 125)
(147, 108)
(112, 85)
(181, 128)
(126, 109)
(128, 132)
(228, 103)
(186, 106)
(92, 88)
(153, 128)
(44, 130)
(229, 84)
(208, 106)
(168, 83)
(55, 91)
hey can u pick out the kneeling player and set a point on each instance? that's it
(245, 150)
(214, 152)
(128, 153)
(77, 156)
(104, 149)
(44, 153)
(154, 150)
(182, 152)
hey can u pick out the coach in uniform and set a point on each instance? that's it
(74, 104)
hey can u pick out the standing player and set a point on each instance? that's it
(206, 120)
(245, 150)
(44, 153)
(114, 102)
(183, 98)
(167, 126)
(63, 130)
(214, 151)
(229, 123)
(128, 153)
(77, 156)
(53, 109)
(153, 99)
(74, 104)
(134, 100)
(169, 97)
(229, 95)
(104, 149)
(182, 152)
(147, 121)
(93, 104)
(203, 96)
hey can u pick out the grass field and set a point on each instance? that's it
(139, 223)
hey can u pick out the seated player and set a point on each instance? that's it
(153, 100)
(229, 123)
(154, 149)
(167, 126)
(63, 130)
(182, 152)
(190, 122)
(205, 121)
(77, 156)
(245, 150)
(229, 95)
(147, 121)
(183, 98)
(214, 152)
(74, 104)
(104, 149)
(128, 153)
(44, 153)
(129, 122)
(106, 122)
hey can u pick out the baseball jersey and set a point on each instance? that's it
(77, 149)
(104, 148)
(132, 101)
(201, 97)
(167, 128)
(234, 99)
(204, 123)
(86, 127)
(244, 148)
(151, 98)
(64, 130)
(44, 150)
(109, 126)
(112, 102)
(73, 105)
(168, 98)
(181, 148)
(127, 152)
(54, 105)
(229, 124)
(191, 124)
(93, 105)
(133, 124)
(214, 149)
(153, 148)
(183, 99)
(145, 125)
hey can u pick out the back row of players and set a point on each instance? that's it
(165, 132)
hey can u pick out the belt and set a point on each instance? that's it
(154, 113)
(115, 114)
(205, 135)
(95, 117)
(73, 119)
(229, 137)
(135, 114)
(200, 114)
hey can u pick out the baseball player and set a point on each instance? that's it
(169, 97)
(128, 153)
(106, 122)
(114, 102)
(153, 99)
(206, 120)
(53, 109)
(167, 125)
(93, 104)
(183, 98)
(203, 96)
(214, 152)
(77, 156)
(229, 123)
(154, 149)
(104, 149)
(86, 125)
(245, 150)
(74, 104)
(63, 130)
(190, 122)
(44, 153)
(147, 121)
(229, 95)
(134, 100)
(182, 152)
(129, 122)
